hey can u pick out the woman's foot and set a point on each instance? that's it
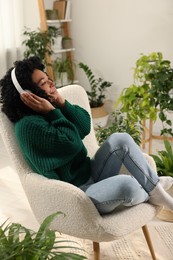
(158, 196)
(166, 182)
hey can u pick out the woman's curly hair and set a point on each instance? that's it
(12, 105)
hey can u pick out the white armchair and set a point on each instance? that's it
(82, 218)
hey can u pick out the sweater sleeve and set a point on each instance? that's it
(43, 141)
(78, 116)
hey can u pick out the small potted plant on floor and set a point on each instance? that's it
(96, 95)
(164, 164)
(20, 243)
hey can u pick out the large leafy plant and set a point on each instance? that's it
(19, 243)
(98, 87)
(119, 123)
(149, 96)
(164, 160)
(39, 43)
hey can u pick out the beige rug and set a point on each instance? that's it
(134, 246)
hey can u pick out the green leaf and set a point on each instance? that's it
(164, 160)
(20, 243)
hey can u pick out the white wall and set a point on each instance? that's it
(31, 14)
(109, 35)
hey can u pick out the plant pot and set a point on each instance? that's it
(99, 116)
(57, 43)
(166, 214)
(66, 43)
(51, 14)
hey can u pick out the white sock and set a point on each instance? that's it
(166, 182)
(158, 196)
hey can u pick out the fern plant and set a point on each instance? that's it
(19, 243)
(164, 160)
(98, 87)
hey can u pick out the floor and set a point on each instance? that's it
(14, 206)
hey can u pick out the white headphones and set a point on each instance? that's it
(15, 82)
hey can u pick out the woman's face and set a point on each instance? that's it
(42, 80)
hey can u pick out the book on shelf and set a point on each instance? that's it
(60, 6)
(67, 11)
(63, 8)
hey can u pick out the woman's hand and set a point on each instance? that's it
(36, 103)
(59, 101)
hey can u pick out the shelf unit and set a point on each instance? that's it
(64, 24)
(148, 136)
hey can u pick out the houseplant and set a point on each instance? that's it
(67, 42)
(20, 243)
(164, 164)
(63, 71)
(149, 96)
(39, 43)
(164, 160)
(119, 123)
(96, 95)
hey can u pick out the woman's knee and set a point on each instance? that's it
(133, 192)
(120, 138)
(121, 142)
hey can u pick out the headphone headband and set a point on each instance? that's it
(15, 82)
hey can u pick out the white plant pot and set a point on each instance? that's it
(57, 43)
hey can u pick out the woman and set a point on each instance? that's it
(50, 130)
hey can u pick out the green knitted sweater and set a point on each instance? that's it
(52, 144)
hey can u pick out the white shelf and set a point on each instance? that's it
(52, 22)
(63, 50)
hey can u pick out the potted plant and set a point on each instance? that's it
(51, 14)
(20, 243)
(67, 42)
(119, 123)
(96, 95)
(164, 164)
(164, 160)
(39, 43)
(149, 96)
(63, 71)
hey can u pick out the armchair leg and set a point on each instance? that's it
(96, 248)
(149, 242)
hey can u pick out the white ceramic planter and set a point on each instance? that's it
(57, 43)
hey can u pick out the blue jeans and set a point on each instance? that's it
(107, 188)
